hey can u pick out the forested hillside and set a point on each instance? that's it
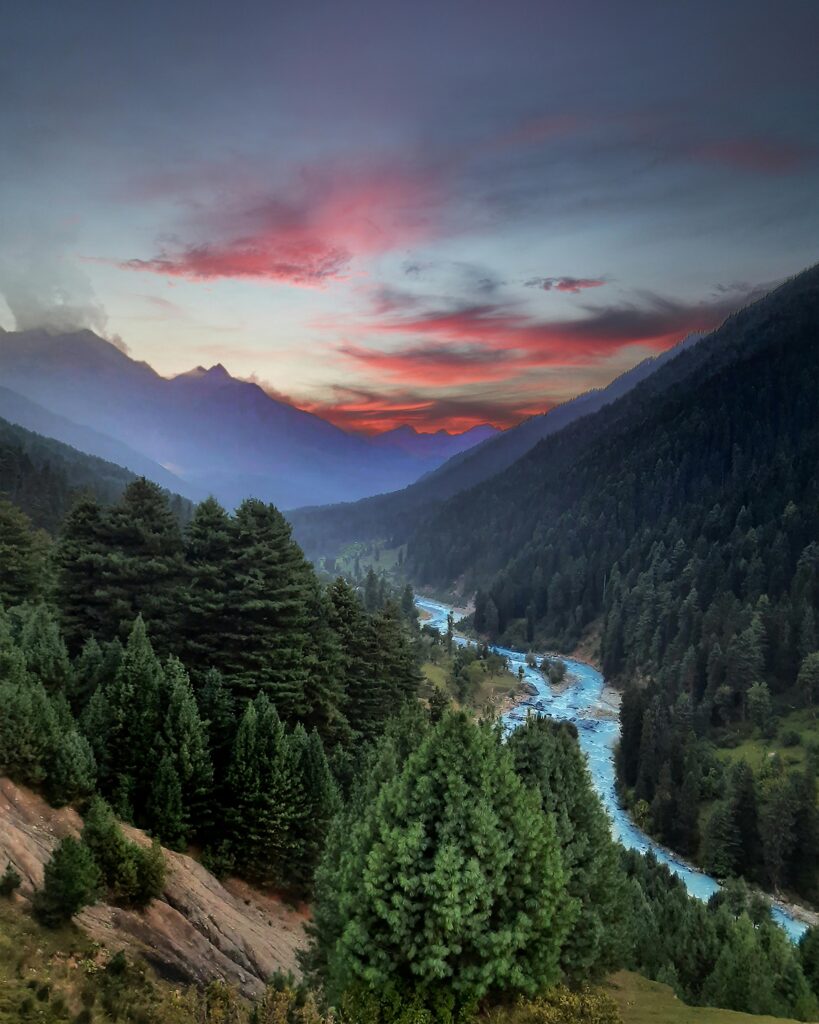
(43, 477)
(688, 527)
(202, 684)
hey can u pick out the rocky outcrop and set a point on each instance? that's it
(199, 930)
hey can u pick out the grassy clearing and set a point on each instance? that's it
(758, 751)
(482, 686)
(647, 1002)
(384, 561)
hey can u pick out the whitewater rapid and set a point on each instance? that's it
(582, 703)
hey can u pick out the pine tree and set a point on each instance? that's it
(205, 617)
(183, 740)
(134, 717)
(71, 881)
(218, 714)
(21, 566)
(447, 885)
(740, 979)
(320, 801)
(87, 673)
(72, 770)
(165, 810)
(81, 558)
(143, 568)
(28, 725)
(266, 647)
(263, 795)
(742, 800)
(114, 855)
(808, 678)
(547, 756)
(721, 843)
(44, 650)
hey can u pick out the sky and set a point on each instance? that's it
(433, 213)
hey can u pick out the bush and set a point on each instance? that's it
(9, 881)
(71, 881)
(563, 1006)
(133, 876)
(790, 738)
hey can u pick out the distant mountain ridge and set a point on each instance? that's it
(394, 516)
(439, 445)
(213, 432)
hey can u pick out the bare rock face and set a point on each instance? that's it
(198, 931)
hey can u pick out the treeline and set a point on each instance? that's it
(201, 680)
(726, 953)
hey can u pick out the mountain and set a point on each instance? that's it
(216, 433)
(20, 410)
(674, 441)
(678, 531)
(43, 477)
(322, 531)
(437, 446)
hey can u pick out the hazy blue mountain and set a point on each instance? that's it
(437, 446)
(214, 432)
(24, 412)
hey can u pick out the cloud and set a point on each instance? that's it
(306, 233)
(43, 288)
(495, 342)
(371, 411)
(572, 285)
(436, 363)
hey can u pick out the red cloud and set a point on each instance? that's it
(435, 364)
(307, 234)
(492, 343)
(370, 411)
(565, 284)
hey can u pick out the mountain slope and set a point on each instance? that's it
(22, 411)
(737, 430)
(323, 531)
(217, 433)
(43, 477)
(197, 931)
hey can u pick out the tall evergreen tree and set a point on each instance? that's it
(143, 568)
(263, 795)
(205, 617)
(266, 647)
(182, 740)
(453, 849)
(81, 557)
(134, 715)
(21, 563)
(547, 757)
(320, 801)
(44, 650)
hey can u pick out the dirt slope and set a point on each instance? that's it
(199, 930)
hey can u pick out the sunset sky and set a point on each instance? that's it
(429, 213)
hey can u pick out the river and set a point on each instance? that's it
(580, 702)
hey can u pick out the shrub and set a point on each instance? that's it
(790, 738)
(9, 881)
(71, 882)
(563, 1006)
